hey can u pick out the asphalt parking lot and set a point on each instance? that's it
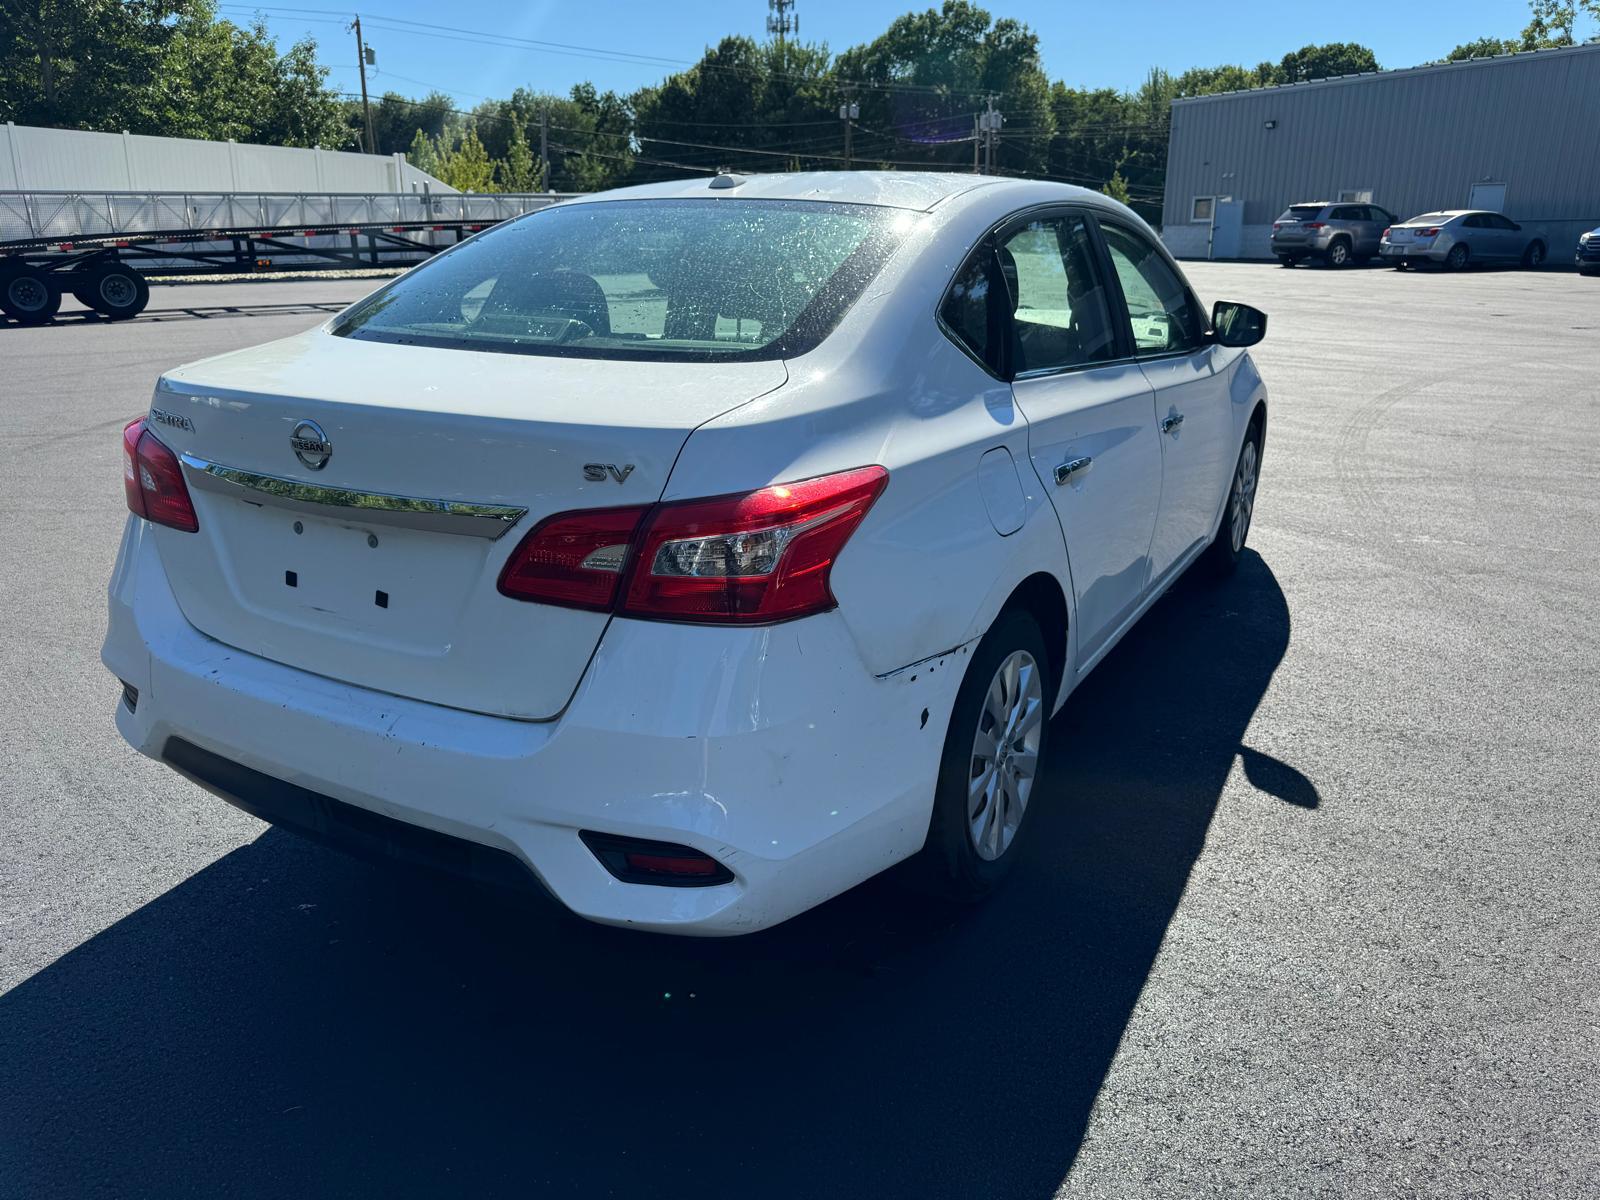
(1311, 908)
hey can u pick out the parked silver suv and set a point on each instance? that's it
(1339, 234)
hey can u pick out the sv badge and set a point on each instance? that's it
(600, 472)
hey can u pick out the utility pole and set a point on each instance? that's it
(977, 127)
(544, 148)
(849, 110)
(989, 123)
(364, 59)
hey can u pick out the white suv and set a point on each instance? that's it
(691, 552)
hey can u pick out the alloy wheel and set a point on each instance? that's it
(1005, 754)
(1242, 501)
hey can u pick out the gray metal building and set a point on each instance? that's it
(1519, 133)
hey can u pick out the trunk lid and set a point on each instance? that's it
(379, 567)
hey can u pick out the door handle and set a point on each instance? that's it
(1169, 423)
(1070, 468)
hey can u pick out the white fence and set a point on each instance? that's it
(65, 214)
(69, 159)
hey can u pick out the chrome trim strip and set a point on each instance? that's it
(358, 508)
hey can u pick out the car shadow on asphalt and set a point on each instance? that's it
(290, 1022)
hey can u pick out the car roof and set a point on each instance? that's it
(918, 190)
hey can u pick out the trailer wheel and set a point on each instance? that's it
(28, 295)
(114, 290)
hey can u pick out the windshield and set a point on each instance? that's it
(651, 279)
(1301, 212)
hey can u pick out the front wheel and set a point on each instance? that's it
(992, 755)
(1286, 260)
(1533, 256)
(1228, 546)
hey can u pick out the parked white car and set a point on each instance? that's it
(694, 551)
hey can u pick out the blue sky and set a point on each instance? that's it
(1101, 45)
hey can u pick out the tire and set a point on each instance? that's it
(1338, 254)
(1400, 264)
(114, 290)
(29, 296)
(968, 853)
(1286, 260)
(1533, 256)
(1458, 257)
(1222, 556)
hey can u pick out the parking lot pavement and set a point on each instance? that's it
(1311, 906)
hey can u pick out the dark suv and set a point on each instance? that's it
(1339, 234)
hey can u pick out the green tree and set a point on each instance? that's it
(1485, 47)
(941, 65)
(468, 167)
(1117, 188)
(1325, 62)
(518, 171)
(424, 154)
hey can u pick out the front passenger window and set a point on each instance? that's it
(1165, 317)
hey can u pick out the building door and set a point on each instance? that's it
(1490, 196)
(1227, 231)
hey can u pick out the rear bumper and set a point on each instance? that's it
(773, 750)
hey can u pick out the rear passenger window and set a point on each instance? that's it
(1165, 317)
(967, 310)
(1060, 314)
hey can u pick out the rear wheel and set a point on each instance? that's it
(1533, 256)
(1338, 254)
(1456, 260)
(114, 290)
(29, 295)
(992, 755)
(1286, 260)
(1222, 558)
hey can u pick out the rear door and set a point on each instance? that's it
(1091, 420)
(1191, 380)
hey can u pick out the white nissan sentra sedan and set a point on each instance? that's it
(690, 552)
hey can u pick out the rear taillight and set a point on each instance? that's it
(1316, 225)
(757, 557)
(1431, 232)
(573, 559)
(1386, 231)
(152, 480)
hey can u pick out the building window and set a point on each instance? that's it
(1356, 196)
(1204, 209)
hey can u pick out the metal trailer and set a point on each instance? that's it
(103, 247)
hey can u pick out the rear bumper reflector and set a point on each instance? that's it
(664, 864)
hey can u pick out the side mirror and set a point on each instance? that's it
(1237, 324)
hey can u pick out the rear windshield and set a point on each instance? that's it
(1429, 219)
(645, 279)
(1301, 212)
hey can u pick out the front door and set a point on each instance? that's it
(1091, 417)
(1190, 378)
